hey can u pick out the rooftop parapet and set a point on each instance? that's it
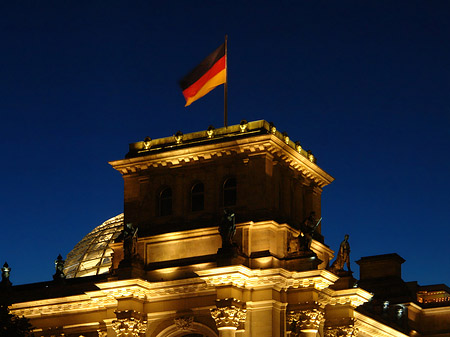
(213, 135)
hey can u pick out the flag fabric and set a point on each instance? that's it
(210, 73)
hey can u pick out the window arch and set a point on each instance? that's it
(165, 202)
(197, 197)
(229, 192)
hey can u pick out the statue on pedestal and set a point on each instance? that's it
(343, 257)
(307, 231)
(132, 265)
(227, 228)
(129, 241)
(6, 270)
(59, 269)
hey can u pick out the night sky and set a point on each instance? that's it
(364, 84)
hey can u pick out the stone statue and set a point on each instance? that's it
(59, 268)
(308, 228)
(129, 241)
(227, 229)
(343, 257)
(6, 270)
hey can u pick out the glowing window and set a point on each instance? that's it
(197, 197)
(229, 192)
(165, 202)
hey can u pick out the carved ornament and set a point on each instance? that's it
(279, 282)
(102, 333)
(298, 162)
(184, 323)
(307, 319)
(353, 297)
(129, 323)
(341, 328)
(230, 312)
(228, 316)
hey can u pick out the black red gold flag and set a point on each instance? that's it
(210, 73)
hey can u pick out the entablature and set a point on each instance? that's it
(254, 143)
(148, 291)
(277, 278)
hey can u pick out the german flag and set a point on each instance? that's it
(210, 73)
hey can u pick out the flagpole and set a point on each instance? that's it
(225, 87)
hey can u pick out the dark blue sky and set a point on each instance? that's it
(364, 84)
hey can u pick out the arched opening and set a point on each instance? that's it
(229, 192)
(195, 330)
(165, 202)
(197, 197)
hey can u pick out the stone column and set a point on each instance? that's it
(129, 323)
(228, 315)
(305, 322)
(344, 327)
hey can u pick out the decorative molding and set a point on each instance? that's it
(176, 291)
(227, 316)
(353, 297)
(342, 331)
(184, 323)
(129, 323)
(126, 292)
(278, 278)
(102, 333)
(72, 305)
(144, 290)
(201, 152)
(230, 313)
(241, 316)
(306, 319)
(369, 326)
(344, 327)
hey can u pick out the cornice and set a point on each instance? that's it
(437, 310)
(109, 294)
(352, 296)
(277, 278)
(150, 291)
(62, 306)
(266, 143)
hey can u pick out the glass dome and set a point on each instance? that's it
(92, 255)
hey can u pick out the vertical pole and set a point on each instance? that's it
(225, 87)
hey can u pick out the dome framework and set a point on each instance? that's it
(92, 255)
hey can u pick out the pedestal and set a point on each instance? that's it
(302, 261)
(345, 281)
(230, 256)
(131, 268)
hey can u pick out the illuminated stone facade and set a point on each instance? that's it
(180, 277)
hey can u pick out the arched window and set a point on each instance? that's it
(197, 197)
(165, 202)
(229, 192)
